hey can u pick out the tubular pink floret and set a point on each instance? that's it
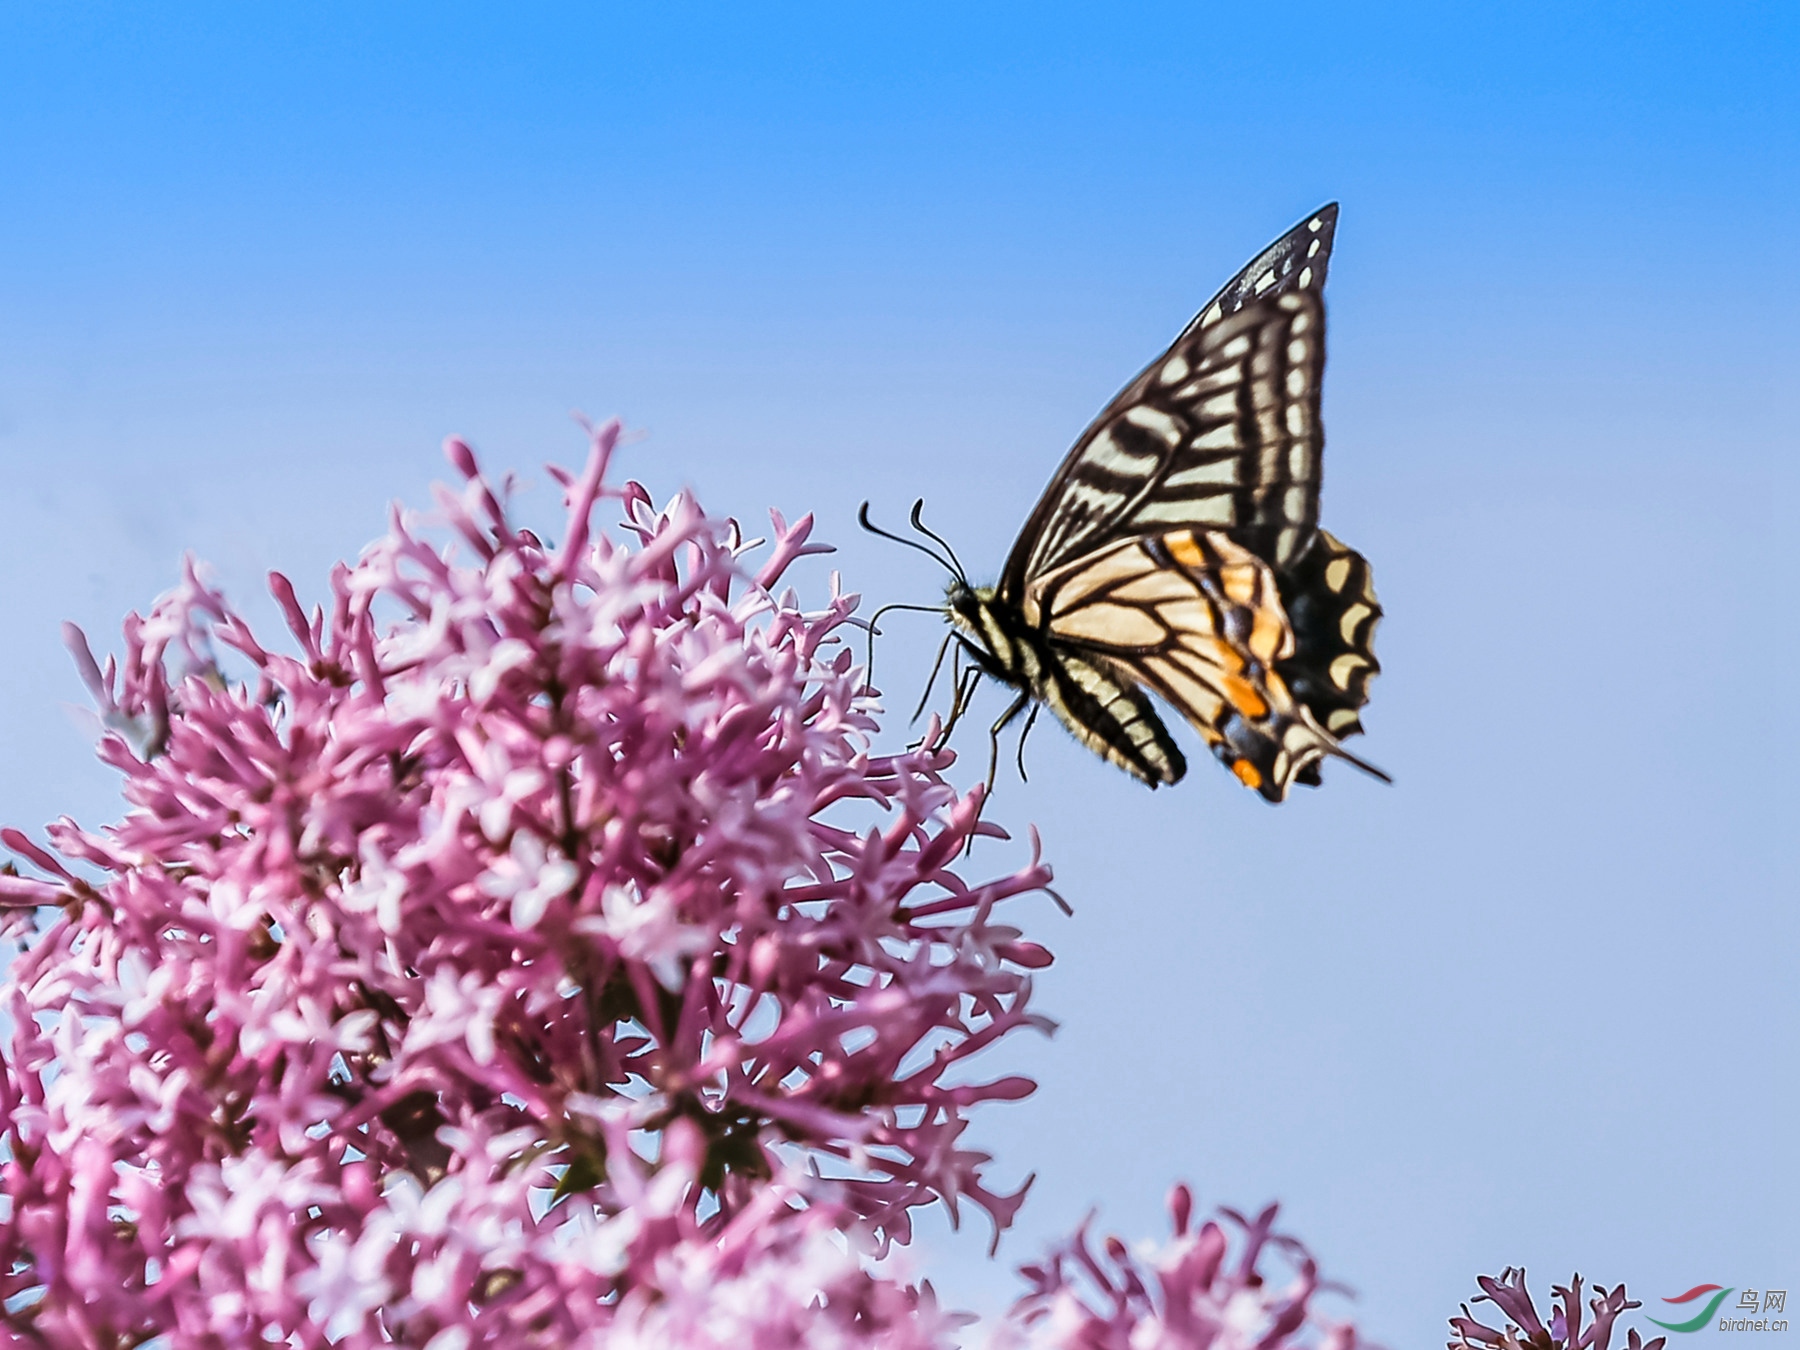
(1183, 1295)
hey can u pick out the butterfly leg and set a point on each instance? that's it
(1013, 709)
(965, 695)
(931, 683)
(1030, 721)
(965, 699)
(956, 679)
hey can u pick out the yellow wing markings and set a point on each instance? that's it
(1333, 611)
(1198, 618)
(1102, 623)
(1081, 579)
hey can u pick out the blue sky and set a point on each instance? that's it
(1534, 1003)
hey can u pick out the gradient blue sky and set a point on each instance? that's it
(1533, 1004)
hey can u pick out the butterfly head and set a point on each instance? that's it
(970, 610)
(991, 631)
(963, 603)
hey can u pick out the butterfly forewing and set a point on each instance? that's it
(1296, 261)
(1221, 432)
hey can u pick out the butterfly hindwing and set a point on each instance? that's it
(1329, 595)
(1198, 618)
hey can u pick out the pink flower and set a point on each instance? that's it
(1524, 1330)
(1194, 1292)
(536, 952)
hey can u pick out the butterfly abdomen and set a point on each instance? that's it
(1100, 705)
(1329, 595)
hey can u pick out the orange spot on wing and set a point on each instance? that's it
(1245, 698)
(1185, 549)
(1268, 636)
(1239, 583)
(1247, 773)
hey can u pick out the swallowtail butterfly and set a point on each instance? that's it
(1178, 550)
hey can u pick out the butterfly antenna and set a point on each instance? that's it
(862, 518)
(919, 524)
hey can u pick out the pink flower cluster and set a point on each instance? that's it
(1194, 1292)
(540, 956)
(1524, 1330)
(419, 951)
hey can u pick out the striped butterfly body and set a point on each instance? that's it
(1177, 550)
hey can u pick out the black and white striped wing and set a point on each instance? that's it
(1297, 261)
(1220, 432)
